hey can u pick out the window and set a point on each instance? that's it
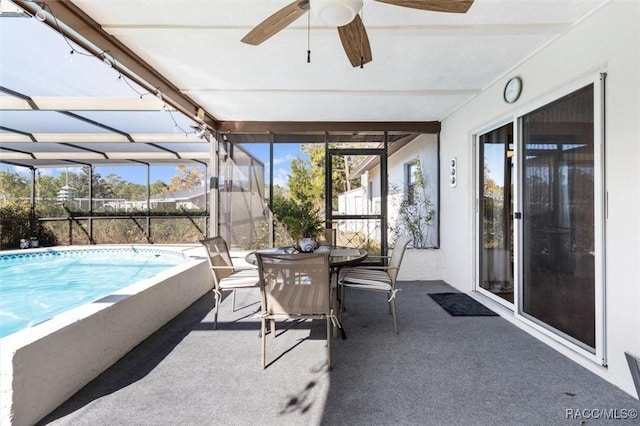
(411, 181)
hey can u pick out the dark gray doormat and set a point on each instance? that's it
(461, 305)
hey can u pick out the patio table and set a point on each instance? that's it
(339, 257)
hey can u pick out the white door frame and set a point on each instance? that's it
(598, 81)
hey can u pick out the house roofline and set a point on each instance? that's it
(374, 160)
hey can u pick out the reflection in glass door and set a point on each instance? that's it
(496, 212)
(559, 217)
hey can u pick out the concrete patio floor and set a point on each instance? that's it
(439, 370)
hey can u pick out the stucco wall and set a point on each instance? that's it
(424, 147)
(43, 366)
(607, 41)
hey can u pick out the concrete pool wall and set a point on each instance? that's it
(42, 366)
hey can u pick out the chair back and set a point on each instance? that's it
(294, 285)
(397, 255)
(219, 258)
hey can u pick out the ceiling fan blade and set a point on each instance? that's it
(276, 22)
(355, 42)
(452, 6)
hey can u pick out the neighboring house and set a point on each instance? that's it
(403, 161)
(187, 199)
(354, 201)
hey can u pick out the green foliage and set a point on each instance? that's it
(14, 185)
(47, 186)
(283, 206)
(157, 188)
(306, 181)
(306, 223)
(301, 219)
(17, 219)
(16, 223)
(493, 228)
(414, 219)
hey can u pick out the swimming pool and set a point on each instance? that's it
(35, 286)
(43, 365)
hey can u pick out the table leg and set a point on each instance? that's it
(335, 302)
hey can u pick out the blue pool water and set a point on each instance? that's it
(36, 286)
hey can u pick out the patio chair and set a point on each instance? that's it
(376, 278)
(226, 276)
(294, 286)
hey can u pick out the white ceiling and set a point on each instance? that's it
(425, 66)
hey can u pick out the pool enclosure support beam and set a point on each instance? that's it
(90, 221)
(384, 191)
(207, 196)
(214, 165)
(32, 204)
(438, 194)
(228, 191)
(272, 229)
(328, 208)
(148, 203)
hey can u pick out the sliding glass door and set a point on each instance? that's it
(540, 217)
(496, 212)
(559, 216)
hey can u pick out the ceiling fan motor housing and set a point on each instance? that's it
(336, 12)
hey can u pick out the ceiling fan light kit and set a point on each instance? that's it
(343, 14)
(336, 12)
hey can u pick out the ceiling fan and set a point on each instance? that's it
(343, 14)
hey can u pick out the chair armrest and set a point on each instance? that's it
(375, 268)
(381, 259)
(236, 268)
(245, 267)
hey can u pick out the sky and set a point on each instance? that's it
(283, 155)
(78, 81)
(75, 80)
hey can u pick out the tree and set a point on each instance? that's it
(14, 185)
(158, 188)
(46, 186)
(81, 182)
(306, 181)
(188, 177)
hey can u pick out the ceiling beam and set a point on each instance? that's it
(327, 126)
(20, 96)
(93, 103)
(10, 135)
